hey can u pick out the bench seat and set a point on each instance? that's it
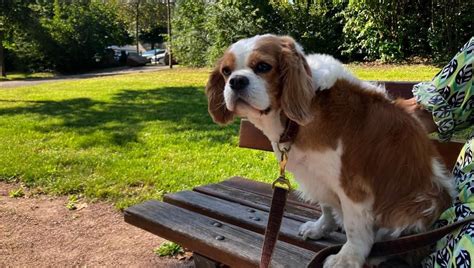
(237, 211)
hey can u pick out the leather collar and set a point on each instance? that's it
(290, 131)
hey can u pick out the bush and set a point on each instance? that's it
(450, 28)
(202, 30)
(353, 30)
(190, 41)
(246, 22)
(366, 34)
(81, 32)
(67, 37)
(318, 27)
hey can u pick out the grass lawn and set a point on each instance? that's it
(131, 137)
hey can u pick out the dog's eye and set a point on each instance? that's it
(226, 71)
(262, 67)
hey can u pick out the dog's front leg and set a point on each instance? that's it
(320, 228)
(359, 225)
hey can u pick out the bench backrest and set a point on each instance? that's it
(253, 138)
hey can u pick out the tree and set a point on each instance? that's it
(24, 33)
(246, 22)
(190, 36)
(11, 13)
(80, 32)
(145, 20)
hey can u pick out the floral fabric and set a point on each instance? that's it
(450, 98)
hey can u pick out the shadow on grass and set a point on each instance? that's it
(126, 114)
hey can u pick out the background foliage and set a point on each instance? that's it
(67, 37)
(151, 19)
(71, 36)
(80, 33)
(388, 30)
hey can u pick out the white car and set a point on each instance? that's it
(155, 55)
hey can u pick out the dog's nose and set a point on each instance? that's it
(238, 82)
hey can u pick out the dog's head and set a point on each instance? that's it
(258, 75)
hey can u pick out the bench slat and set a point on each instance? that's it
(398, 89)
(244, 216)
(257, 201)
(239, 248)
(264, 189)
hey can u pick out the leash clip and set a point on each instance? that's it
(282, 181)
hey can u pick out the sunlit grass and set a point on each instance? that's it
(128, 138)
(418, 72)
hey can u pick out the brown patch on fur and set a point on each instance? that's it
(386, 153)
(215, 91)
(297, 85)
(359, 190)
(289, 88)
(268, 50)
(228, 60)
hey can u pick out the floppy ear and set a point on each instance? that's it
(215, 97)
(297, 92)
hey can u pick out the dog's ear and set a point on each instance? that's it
(215, 97)
(297, 86)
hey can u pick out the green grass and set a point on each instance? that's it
(418, 72)
(128, 138)
(26, 76)
(168, 249)
(16, 193)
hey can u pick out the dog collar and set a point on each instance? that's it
(290, 131)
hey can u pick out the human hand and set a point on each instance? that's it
(413, 108)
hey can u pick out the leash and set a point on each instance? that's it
(281, 186)
(397, 246)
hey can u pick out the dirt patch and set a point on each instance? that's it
(41, 231)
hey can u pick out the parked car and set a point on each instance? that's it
(155, 55)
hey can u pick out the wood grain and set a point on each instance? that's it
(238, 248)
(244, 216)
(265, 189)
(257, 201)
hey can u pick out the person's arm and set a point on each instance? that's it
(449, 97)
(423, 115)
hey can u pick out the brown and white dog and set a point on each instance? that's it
(368, 163)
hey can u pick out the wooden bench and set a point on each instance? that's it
(223, 223)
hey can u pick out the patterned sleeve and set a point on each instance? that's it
(449, 96)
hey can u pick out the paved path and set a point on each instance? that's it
(107, 72)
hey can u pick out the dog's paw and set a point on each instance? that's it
(312, 229)
(343, 261)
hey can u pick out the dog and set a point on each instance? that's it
(367, 162)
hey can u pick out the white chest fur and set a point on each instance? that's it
(317, 173)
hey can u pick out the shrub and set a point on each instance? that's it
(451, 26)
(246, 22)
(190, 40)
(80, 32)
(367, 36)
(318, 27)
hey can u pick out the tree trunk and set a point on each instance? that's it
(136, 24)
(170, 61)
(2, 59)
